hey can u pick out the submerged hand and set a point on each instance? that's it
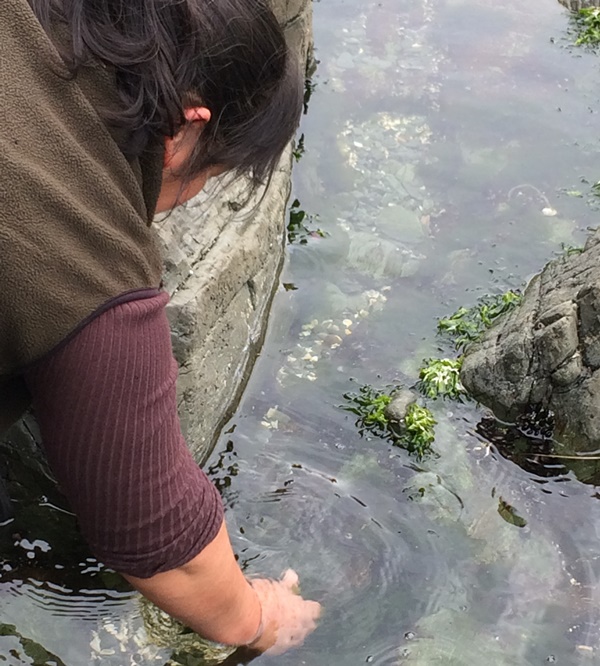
(287, 618)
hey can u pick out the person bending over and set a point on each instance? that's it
(113, 110)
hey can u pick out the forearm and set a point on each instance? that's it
(144, 505)
(209, 594)
(107, 407)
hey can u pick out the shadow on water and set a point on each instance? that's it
(541, 456)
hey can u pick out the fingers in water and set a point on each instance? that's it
(290, 577)
(315, 609)
(291, 580)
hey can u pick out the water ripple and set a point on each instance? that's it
(58, 601)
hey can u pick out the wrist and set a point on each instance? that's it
(260, 630)
(266, 633)
(257, 637)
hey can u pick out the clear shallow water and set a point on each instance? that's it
(436, 135)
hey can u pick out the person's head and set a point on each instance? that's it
(179, 150)
(175, 57)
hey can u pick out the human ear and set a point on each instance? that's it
(179, 147)
(197, 114)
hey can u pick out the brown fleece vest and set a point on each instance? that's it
(74, 212)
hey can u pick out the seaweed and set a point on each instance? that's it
(585, 27)
(467, 325)
(415, 432)
(440, 378)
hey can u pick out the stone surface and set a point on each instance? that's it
(396, 410)
(223, 254)
(296, 18)
(576, 5)
(221, 279)
(547, 351)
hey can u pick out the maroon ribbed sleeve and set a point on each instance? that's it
(107, 408)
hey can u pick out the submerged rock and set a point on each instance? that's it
(452, 638)
(547, 351)
(396, 410)
(23, 650)
(380, 258)
(440, 503)
(153, 638)
(164, 631)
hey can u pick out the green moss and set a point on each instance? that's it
(570, 250)
(419, 431)
(585, 27)
(369, 405)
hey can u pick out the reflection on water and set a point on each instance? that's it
(448, 152)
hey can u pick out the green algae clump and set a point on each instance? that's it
(467, 325)
(586, 25)
(369, 404)
(414, 432)
(440, 378)
(419, 431)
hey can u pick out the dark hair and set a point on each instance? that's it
(229, 55)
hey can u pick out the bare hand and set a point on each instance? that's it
(287, 618)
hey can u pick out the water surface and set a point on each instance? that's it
(436, 135)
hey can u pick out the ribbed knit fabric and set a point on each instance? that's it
(107, 408)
